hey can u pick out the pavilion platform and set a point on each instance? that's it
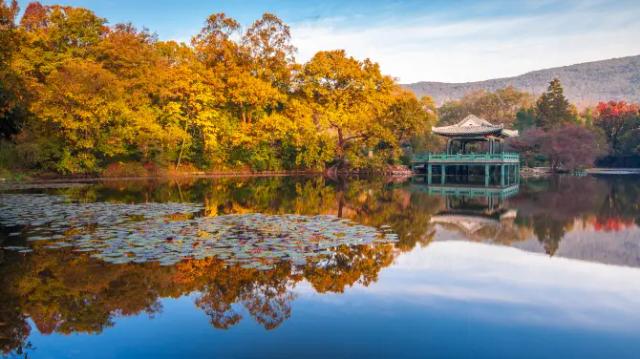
(458, 161)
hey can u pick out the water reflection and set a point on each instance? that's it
(61, 290)
(479, 213)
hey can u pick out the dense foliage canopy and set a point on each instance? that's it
(79, 94)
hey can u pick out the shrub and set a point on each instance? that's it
(126, 169)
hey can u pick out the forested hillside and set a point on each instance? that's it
(584, 84)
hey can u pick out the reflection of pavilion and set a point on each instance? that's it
(477, 212)
(468, 190)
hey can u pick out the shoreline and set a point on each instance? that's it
(525, 172)
(40, 179)
(613, 171)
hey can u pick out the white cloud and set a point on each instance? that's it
(436, 49)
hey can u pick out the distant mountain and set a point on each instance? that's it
(584, 84)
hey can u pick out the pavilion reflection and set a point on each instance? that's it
(476, 212)
(583, 218)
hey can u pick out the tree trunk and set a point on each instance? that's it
(340, 149)
(186, 124)
(180, 154)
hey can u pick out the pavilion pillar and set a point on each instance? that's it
(502, 175)
(429, 173)
(443, 175)
(486, 175)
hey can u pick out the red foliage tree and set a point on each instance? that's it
(527, 144)
(617, 118)
(571, 147)
(35, 16)
(565, 148)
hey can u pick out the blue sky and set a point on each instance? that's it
(453, 41)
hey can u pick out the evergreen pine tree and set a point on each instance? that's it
(552, 108)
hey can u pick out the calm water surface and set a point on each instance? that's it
(313, 268)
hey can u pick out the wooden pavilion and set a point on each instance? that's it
(460, 157)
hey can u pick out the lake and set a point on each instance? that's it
(307, 267)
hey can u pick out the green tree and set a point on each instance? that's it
(525, 119)
(552, 108)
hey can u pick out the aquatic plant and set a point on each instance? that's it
(170, 232)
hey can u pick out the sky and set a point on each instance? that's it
(448, 41)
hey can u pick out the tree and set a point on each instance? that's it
(190, 99)
(268, 42)
(214, 45)
(82, 106)
(552, 108)
(501, 106)
(13, 93)
(525, 119)
(412, 120)
(9, 40)
(349, 99)
(409, 116)
(617, 119)
(53, 34)
(79, 94)
(528, 145)
(569, 147)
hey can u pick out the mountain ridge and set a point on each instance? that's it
(584, 83)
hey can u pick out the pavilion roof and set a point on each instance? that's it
(474, 126)
(480, 228)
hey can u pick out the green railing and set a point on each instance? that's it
(470, 157)
(502, 192)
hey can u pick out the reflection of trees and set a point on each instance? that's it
(620, 206)
(349, 265)
(369, 202)
(66, 292)
(265, 294)
(549, 232)
(551, 206)
(548, 208)
(406, 212)
(14, 329)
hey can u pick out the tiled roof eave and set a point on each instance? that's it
(466, 132)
